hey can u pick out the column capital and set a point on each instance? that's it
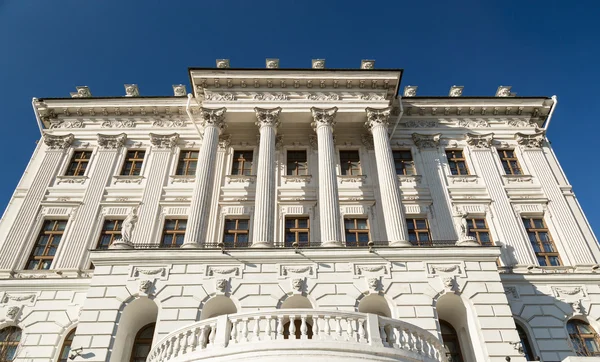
(164, 141)
(323, 117)
(426, 140)
(213, 117)
(480, 141)
(535, 140)
(58, 142)
(377, 117)
(111, 142)
(267, 117)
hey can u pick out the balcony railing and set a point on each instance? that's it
(311, 245)
(327, 329)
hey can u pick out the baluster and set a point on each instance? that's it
(303, 328)
(279, 334)
(170, 350)
(338, 328)
(349, 330)
(164, 351)
(178, 345)
(409, 341)
(202, 338)
(213, 334)
(315, 327)
(184, 344)
(382, 334)
(426, 347)
(195, 336)
(418, 345)
(398, 334)
(327, 328)
(268, 328)
(292, 330)
(362, 333)
(245, 329)
(256, 331)
(234, 330)
(391, 335)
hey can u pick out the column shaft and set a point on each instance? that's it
(329, 205)
(264, 207)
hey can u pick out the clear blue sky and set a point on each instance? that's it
(539, 47)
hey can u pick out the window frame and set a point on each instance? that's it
(356, 231)
(236, 232)
(504, 158)
(295, 171)
(4, 344)
(296, 230)
(145, 340)
(404, 162)
(186, 160)
(474, 231)
(114, 235)
(540, 243)
(417, 231)
(341, 161)
(244, 161)
(581, 337)
(67, 343)
(457, 160)
(174, 232)
(454, 337)
(137, 163)
(73, 159)
(48, 244)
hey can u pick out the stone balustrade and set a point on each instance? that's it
(301, 328)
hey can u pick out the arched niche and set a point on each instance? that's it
(296, 301)
(376, 304)
(217, 306)
(132, 318)
(451, 309)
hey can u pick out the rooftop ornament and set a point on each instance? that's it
(222, 63)
(456, 91)
(179, 90)
(410, 90)
(504, 91)
(131, 90)
(272, 63)
(318, 64)
(82, 92)
(367, 64)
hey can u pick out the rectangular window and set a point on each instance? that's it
(173, 233)
(111, 231)
(541, 241)
(296, 163)
(79, 163)
(510, 162)
(357, 232)
(45, 247)
(186, 165)
(350, 163)
(133, 163)
(418, 232)
(404, 163)
(479, 230)
(297, 230)
(242, 163)
(457, 162)
(235, 234)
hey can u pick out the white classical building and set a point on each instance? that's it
(305, 214)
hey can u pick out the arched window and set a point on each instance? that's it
(9, 342)
(66, 347)
(525, 345)
(584, 338)
(142, 343)
(451, 343)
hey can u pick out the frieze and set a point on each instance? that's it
(55, 123)
(169, 122)
(270, 97)
(409, 178)
(323, 97)
(371, 270)
(568, 292)
(521, 123)
(351, 178)
(7, 298)
(426, 123)
(473, 123)
(118, 123)
(372, 97)
(219, 97)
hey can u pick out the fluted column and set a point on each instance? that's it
(26, 214)
(264, 204)
(329, 205)
(213, 121)
(395, 222)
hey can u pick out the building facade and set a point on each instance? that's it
(297, 213)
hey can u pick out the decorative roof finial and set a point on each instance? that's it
(456, 91)
(131, 90)
(410, 90)
(179, 90)
(82, 92)
(222, 63)
(367, 64)
(504, 91)
(272, 63)
(318, 63)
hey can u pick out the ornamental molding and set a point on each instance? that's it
(372, 97)
(521, 123)
(423, 141)
(233, 179)
(478, 141)
(213, 117)
(267, 117)
(218, 97)
(421, 123)
(444, 269)
(71, 180)
(409, 178)
(371, 270)
(164, 141)
(120, 179)
(145, 272)
(296, 179)
(535, 140)
(224, 270)
(224, 141)
(58, 142)
(55, 124)
(8, 298)
(111, 142)
(323, 117)
(323, 97)
(270, 97)
(569, 293)
(473, 123)
(352, 178)
(118, 123)
(298, 270)
(463, 179)
(168, 123)
(377, 117)
(183, 179)
(517, 179)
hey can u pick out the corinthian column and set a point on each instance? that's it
(213, 121)
(393, 214)
(329, 205)
(264, 207)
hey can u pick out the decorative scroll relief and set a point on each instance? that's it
(425, 123)
(521, 123)
(29, 299)
(218, 97)
(463, 179)
(298, 270)
(168, 123)
(71, 180)
(183, 179)
(423, 141)
(517, 179)
(473, 123)
(221, 271)
(415, 179)
(55, 124)
(149, 272)
(351, 178)
(119, 179)
(270, 97)
(444, 269)
(296, 179)
(236, 179)
(118, 123)
(512, 292)
(569, 292)
(372, 97)
(375, 270)
(323, 97)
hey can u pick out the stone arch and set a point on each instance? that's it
(526, 328)
(216, 306)
(374, 303)
(132, 317)
(580, 319)
(66, 330)
(295, 302)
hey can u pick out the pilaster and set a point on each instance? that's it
(329, 205)
(264, 209)
(213, 121)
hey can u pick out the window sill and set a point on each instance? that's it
(296, 179)
(71, 180)
(517, 179)
(464, 179)
(182, 179)
(232, 179)
(352, 178)
(127, 179)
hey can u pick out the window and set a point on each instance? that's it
(9, 342)
(186, 165)
(357, 232)
(242, 163)
(173, 233)
(79, 163)
(457, 162)
(451, 343)
(479, 230)
(236, 233)
(350, 163)
(418, 232)
(404, 163)
(133, 163)
(111, 231)
(297, 230)
(296, 163)
(541, 241)
(142, 344)
(510, 162)
(525, 345)
(66, 347)
(584, 338)
(47, 242)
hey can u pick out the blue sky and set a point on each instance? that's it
(540, 48)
